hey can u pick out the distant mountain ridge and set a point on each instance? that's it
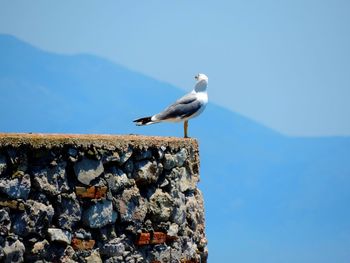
(263, 190)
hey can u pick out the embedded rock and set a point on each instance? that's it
(87, 170)
(13, 251)
(125, 155)
(59, 235)
(160, 206)
(3, 164)
(69, 211)
(16, 188)
(170, 161)
(99, 214)
(131, 206)
(147, 172)
(113, 248)
(34, 219)
(187, 181)
(53, 180)
(5, 222)
(94, 257)
(117, 180)
(144, 154)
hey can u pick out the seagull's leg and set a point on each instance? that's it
(185, 129)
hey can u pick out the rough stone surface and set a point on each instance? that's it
(16, 188)
(34, 219)
(161, 206)
(131, 206)
(59, 235)
(94, 257)
(99, 214)
(69, 211)
(125, 155)
(87, 170)
(113, 248)
(146, 172)
(177, 160)
(117, 180)
(3, 164)
(13, 251)
(53, 180)
(100, 198)
(5, 222)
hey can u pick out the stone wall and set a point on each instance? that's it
(87, 198)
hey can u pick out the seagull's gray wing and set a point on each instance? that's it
(182, 108)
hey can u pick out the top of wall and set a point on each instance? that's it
(111, 142)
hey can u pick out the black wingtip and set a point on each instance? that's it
(143, 121)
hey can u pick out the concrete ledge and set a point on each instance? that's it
(38, 140)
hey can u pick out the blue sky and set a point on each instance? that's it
(283, 63)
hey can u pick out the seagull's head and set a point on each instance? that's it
(200, 77)
(202, 82)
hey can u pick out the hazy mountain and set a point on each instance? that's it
(269, 198)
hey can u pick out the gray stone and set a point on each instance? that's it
(34, 219)
(125, 155)
(164, 183)
(16, 188)
(160, 206)
(173, 230)
(178, 215)
(144, 154)
(131, 206)
(13, 252)
(117, 180)
(40, 250)
(111, 158)
(186, 180)
(40, 247)
(68, 211)
(99, 214)
(147, 172)
(18, 158)
(192, 208)
(3, 164)
(53, 180)
(113, 248)
(190, 251)
(170, 161)
(73, 152)
(59, 235)
(5, 222)
(161, 253)
(94, 257)
(130, 260)
(107, 233)
(161, 152)
(69, 254)
(119, 259)
(181, 157)
(87, 170)
(129, 167)
(82, 234)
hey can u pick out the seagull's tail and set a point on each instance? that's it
(144, 121)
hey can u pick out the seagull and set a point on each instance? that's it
(185, 108)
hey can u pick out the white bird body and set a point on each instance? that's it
(185, 108)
